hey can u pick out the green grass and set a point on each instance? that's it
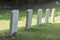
(23, 13)
(50, 31)
(43, 32)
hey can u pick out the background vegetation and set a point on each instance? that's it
(16, 3)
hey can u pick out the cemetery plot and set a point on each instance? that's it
(13, 22)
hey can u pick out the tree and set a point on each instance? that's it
(15, 3)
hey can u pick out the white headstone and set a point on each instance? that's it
(29, 19)
(53, 14)
(47, 15)
(39, 18)
(14, 21)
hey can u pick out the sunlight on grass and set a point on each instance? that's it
(57, 19)
(50, 31)
(5, 24)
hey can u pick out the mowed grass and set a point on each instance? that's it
(50, 31)
(42, 32)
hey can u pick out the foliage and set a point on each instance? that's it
(15, 3)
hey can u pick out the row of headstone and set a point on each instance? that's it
(14, 19)
(39, 18)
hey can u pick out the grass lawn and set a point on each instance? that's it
(50, 31)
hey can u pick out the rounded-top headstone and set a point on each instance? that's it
(29, 10)
(39, 9)
(47, 9)
(15, 11)
(54, 9)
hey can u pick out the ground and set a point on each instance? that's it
(50, 31)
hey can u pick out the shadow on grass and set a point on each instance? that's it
(23, 13)
(42, 32)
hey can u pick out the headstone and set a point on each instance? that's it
(39, 18)
(47, 15)
(29, 19)
(14, 22)
(53, 14)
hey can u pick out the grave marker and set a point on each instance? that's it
(14, 22)
(53, 14)
(29, 19)
(39, 18)
(47, 15)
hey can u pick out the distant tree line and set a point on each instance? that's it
(6, 3)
